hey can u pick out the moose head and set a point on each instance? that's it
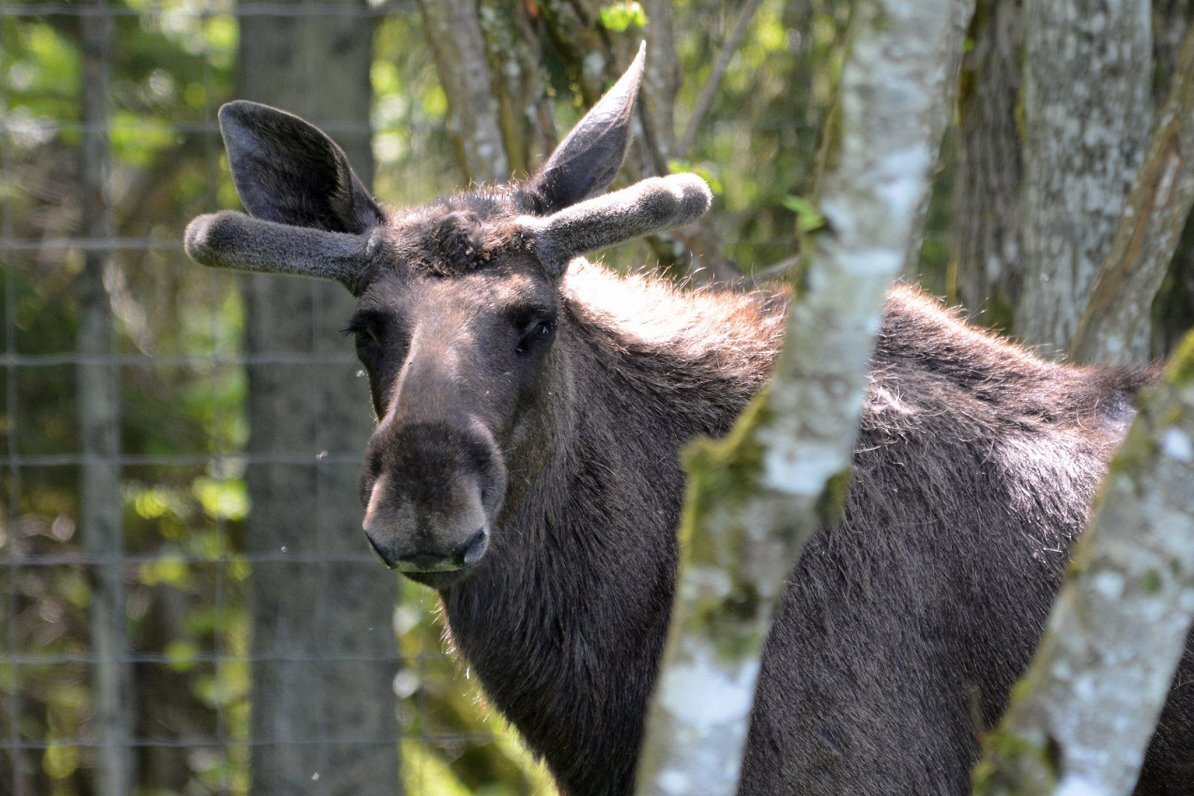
(459, 313)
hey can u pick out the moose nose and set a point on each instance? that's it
(382, 552)
(473, 548)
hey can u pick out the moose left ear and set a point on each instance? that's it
(586, 161)
(288, 171)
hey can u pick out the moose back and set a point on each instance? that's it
(530, 409)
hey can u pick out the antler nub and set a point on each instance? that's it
(649, 205)
(234, 240)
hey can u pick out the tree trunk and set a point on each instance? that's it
(323, 648)
(661, 82)
(1173, 311)
(944, 92)
(755, 498)
(1087, 105)
(456, 37)
(1081, 718)
(1114, 326)
(986, 213)
(513, 51)
(100, 522)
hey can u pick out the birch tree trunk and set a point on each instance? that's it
(1087, 105)
(1114, 326)
(758, 496)
(1081, 719)
(100, 521)
(323, 647)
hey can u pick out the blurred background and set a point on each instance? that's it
(187, 604)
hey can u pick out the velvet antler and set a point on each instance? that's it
(649, 205)
(311, 215)
(233, 240)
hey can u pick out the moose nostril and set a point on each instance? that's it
(473, 548)
(385, 558)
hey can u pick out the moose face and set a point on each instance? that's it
(458, 309)
(459, 371)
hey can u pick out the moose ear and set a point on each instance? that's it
(586, 161)
(288, 171)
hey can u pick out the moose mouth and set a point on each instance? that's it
(432, 568)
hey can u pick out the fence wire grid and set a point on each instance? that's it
(127, 651)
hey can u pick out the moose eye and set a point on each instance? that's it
(368, 333)
(535, 329)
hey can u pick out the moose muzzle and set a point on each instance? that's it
(431, 491)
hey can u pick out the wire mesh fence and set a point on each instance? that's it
(133, 648)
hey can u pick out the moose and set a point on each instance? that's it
(531, 406)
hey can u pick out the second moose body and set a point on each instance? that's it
(531, 407)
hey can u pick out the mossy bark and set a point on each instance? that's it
(474, 113)
(758, 496)
(1087, 103)
(1084, 712)
(1114, 325)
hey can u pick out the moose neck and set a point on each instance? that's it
(565, 626)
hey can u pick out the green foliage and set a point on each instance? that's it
(1181, 364)
(222, 499)
(707, 172)
(448, 701)
(169, 66)
(724, 473)
(809, 218)
(623, 15)
(761, 135)
(60, 760)
(413, 152)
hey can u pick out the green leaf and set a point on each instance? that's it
(621, 16)
(60, 760)
(808, 217)
(170, 569)
(182, 655)
(701, 170)
(226, 498)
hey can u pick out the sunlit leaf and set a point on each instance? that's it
(60, 760)
(621, 16)
(182, 654)
(226, 499)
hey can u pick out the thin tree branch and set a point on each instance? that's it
(709, 90)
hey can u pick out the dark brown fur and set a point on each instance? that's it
(904, 626)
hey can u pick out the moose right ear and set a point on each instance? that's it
(587, 160)
(288, 171)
